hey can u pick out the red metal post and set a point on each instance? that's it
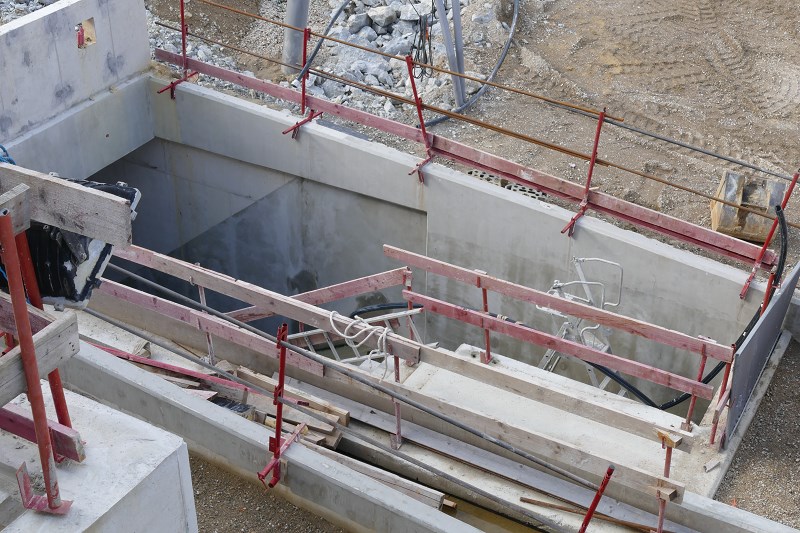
(596, 500)
(486, 357)
(767, 242)
(276, 444)
(687, 425)
(662, 504)
(407, 278)
(16, 289)
(584, 205)
(768, 292)
(721, 394)
(397, 441)
(35, 297)
(81, 35)
(184, 31)
(306, 38)
(418, 102)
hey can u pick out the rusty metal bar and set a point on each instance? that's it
(596, 499)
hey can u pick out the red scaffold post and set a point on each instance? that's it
(584, 205)
(10, 257)
(599, 494)
(767, 242)
(418, 102)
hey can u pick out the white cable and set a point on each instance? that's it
(368, 330)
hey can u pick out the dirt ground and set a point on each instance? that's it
(226, 503)
(724, 76)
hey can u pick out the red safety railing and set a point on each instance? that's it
(587, 197)
(483, 319)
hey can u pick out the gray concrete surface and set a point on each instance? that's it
(121, 484)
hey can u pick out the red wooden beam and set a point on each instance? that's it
(375, 282)
(574, 349)
(607, 318)
(205, 323)
(66, 441)
(449, 149)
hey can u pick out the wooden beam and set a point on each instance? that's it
(206, 323)
(594, 314)
(567, 347)
(39, 319)
(375, 282)
(274, 302)
(17, 203)
(615, 411)
(54, 344)
(72, 207)
(66, 441)
(551, 449)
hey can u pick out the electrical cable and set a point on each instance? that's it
(310, 58)
(342, 369)
(381, 307)
(422, 47)
(492, 74)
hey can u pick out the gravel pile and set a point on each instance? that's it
(14, 10)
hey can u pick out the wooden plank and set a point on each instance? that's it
(38, 318)
(181, 382)
(277, 304)
(268, 383)
(204, 394)
(372, 283)
(72, 207)
(612, 410)
(19, 421)
(419, 492)
(206, 323)
(17, 203)
(567, 347)
(54, 345)
(594, 314)
(551, 449)
(265, 404)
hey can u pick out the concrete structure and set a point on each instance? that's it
(128, 464)
(223, 186)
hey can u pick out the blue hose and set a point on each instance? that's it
(4, 157)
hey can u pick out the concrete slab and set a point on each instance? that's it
(134, 473)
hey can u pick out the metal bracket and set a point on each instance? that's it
(274, 465)
(175, 83)
(37, 502)
(296, 128)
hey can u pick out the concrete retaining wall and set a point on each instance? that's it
(319, 207)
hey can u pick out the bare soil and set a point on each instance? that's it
(724, 76)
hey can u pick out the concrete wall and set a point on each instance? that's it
(70, 110)
(351, 196)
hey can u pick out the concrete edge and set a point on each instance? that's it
(312, 481)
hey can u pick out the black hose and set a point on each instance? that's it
(310, 59)
(511, 30)
(381, 307)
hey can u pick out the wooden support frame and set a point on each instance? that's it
(567, 347)
(601, 316)
(375, 282)
(205, 323)
(16, 201)
(54, 344)
(272, 301)
(72, 207)
(66, 441)
(39, 319)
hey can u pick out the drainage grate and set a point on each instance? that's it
(507, 184)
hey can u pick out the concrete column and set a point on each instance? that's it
(296, 15)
